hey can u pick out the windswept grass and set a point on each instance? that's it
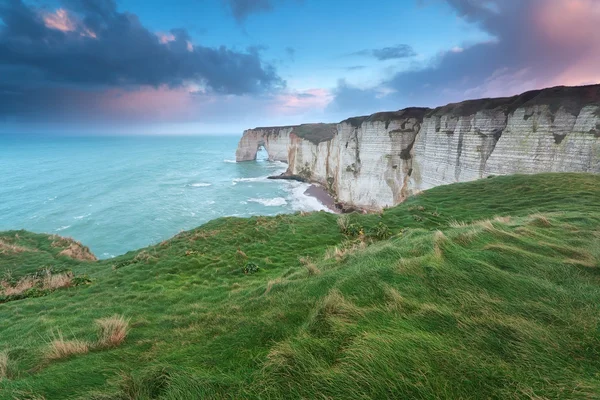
(488, 289)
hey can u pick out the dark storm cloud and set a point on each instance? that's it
(388, 53)
(535, 43)
(90, 43)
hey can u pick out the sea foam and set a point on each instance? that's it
(274, 202)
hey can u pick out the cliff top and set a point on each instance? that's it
(314, 133)
(573, 99)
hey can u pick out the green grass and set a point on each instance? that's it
(488, 289)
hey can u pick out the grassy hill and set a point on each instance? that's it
(488, 289)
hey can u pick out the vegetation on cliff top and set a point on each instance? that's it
(488, 289)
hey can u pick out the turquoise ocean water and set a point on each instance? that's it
(116, 194)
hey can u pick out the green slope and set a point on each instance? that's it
(488, 289)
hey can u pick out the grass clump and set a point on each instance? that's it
(4, 365)
(112, 331)
(59, 347)
(310, 266)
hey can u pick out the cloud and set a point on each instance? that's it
(388, 53)
(350, 100)
(291, 53)
(536, 43)
(355, 67)
(94, 44)
(241, 9)
(78, 55)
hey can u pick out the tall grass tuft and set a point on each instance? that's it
(112, 331)
(3, 365)
(343, 222)
(59, 348)
(310, 266)
(57, 281)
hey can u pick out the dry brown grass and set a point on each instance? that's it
(144, 256)
(310, 266)
(203, 235)
(48, 282)
(112, 331)
(343, 221)
(271, 284)
(72, 248)
(9, 248)
(438, 241)
(21, 286)
(465, 238)
(346, 249)
(395, 301)
(57, 281)
(3, 366)
(540, 221)
(59, 348)
(335, 305)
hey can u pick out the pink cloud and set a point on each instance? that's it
(165, 38)
(299, 102)
(160, 103)
(572, 27)
(60, 20)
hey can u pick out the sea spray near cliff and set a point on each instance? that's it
(120, 194)
(378, 160)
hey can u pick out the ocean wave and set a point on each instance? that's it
(303, 202)
(199, 184)
(82, 216)
(258, 179)
(277, 164)
(275, 202)
(62, 228)
(229, 161)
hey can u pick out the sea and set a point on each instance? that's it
(117, 194)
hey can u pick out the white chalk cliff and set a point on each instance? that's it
(379, 160)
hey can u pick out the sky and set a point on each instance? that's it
(222, 66)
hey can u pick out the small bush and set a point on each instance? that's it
(355, 230)
(343, 221)
(81, 280)
(251, 268)
(381, 231)
(59, 348)
(112, 331)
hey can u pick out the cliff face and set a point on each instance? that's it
(379, 160)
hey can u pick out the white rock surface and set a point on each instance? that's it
(377, 161)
